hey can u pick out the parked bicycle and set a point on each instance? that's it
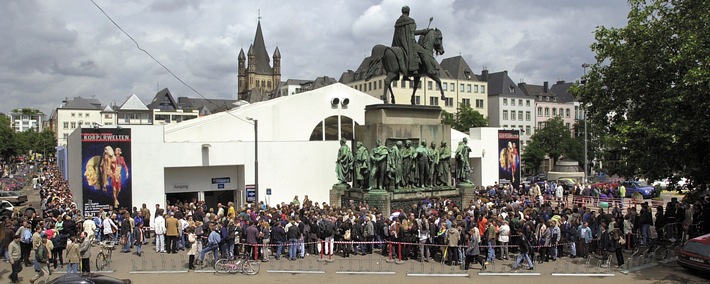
(243, 264)
(664, 247)
(103, 258)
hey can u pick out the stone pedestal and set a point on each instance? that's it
(336, 194)
(468, 193)
(380, 198)
(392, 123)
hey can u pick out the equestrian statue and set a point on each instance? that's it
(408, 57)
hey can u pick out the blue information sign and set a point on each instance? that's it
(250, 193)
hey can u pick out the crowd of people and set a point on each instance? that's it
(542, 223)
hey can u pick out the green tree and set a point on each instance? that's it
(464, 119)
(648, 89)
(7, 138)
(553, 140)
(533, 156)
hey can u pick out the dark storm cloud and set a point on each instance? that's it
(56, 49)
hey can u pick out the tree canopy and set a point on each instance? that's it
(464, 119)
(15, 144)
(648, 90)
(554, 140)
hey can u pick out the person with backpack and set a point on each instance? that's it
(525, 248)
(293, 234)
(423, 238)
(42, 258)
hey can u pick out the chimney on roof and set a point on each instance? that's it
(484, 74)
(545, 87)
(560, 82)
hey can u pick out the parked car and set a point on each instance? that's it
(638, 186)
(14, 197)
(88, 278)
(6, 208)
(695, 254)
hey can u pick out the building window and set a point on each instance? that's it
(505, 115)
(107, 116)
(568, 126)
(346, 127)
(429, 85)
(512, 102)
(468, 88)
(567, 112)
(403, 84)
(445, 86)
(479, 103)
(475, 88)
(527, 130)
(417, 100)
(547, 111)
(505, 126)
(380, 84)
(394, 84)
(369, 86)
(433, 101)
(331, 128)
(449, 102)
(512, 114)
(466, 102)
(80, 114)
(66, 136)
(520, 115)
(453, 87)
(527, 103)
(554, 111)
(527, 116)
(411, 85)
(483, 89)
(505, 102)
(66, 125)
(73, 114)
(73, 125)
(539, 125)
(461, 87)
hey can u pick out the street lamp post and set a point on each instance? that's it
(256, 158)
(585, 65)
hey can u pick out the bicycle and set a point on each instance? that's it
(103, 258)
(665, 246)
(243, 264)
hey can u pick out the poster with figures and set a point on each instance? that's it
(509, 157)
(106, 168)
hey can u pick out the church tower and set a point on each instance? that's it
(257, 79)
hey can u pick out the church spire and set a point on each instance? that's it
(261, 56)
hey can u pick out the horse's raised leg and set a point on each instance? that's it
(388, 83)
(436, 79)
(417, 79)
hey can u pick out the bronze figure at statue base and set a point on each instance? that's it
(392, 163)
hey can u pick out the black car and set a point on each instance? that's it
(88, 278)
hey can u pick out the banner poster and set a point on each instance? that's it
(509, 161)
(106, 164)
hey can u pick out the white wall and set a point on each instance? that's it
(486, 169)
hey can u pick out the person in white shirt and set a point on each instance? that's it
(159, 228)
(503, 239)
(110, 229)
(89, 227)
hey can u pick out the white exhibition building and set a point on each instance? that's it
(212, 158)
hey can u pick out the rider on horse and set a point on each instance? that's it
(405, 29)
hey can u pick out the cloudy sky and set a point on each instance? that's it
(50, 50)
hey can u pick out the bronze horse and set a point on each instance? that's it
(387, 57)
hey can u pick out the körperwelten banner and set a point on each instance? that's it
(509, 161)
(106, 164)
